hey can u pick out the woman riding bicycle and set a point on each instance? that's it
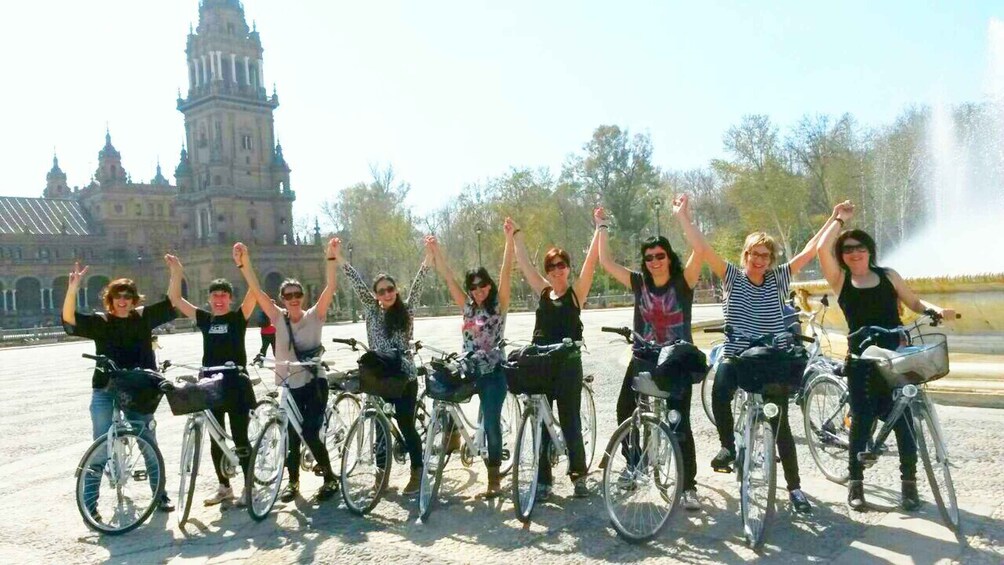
(389, 325)
(663, 295)
(870, 295)
(298, 338)
(124, 334)
(222, 343)
(755, 293)
(485, 305)
(558, 317)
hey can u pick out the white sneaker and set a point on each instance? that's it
(243, 500)
(222, 494)
(690, 500)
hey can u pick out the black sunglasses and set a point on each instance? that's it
(292, 295)
(385, 290)
(852, 247)
(655, 257)
(555, 266)
(125, 296)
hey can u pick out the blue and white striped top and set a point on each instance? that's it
(754, 309)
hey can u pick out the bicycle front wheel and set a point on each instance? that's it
(587, 415)
(826, 414)
(707, 385)
(939, 473)
(117, 488)
(191, 452)
(510, 422)
(266, 467)
(262, 411)
(343, 411)
(643, 478)
(434, 459)
(756, 492)
(363, 480)
(526, 464)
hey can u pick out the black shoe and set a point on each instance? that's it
(799, 502)
(722, 463)
(543, 492)
(328, 489)
(290, 492)
(910, 498)
(856, 495)
(165, 504)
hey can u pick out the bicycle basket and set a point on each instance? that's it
(643, 383)
(529, 372)
(770, 370)
(447, 373)
(347, 381)
(438, 388)
(923, 361)
(206, 394)
(137, 390)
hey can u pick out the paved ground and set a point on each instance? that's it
(44, 429)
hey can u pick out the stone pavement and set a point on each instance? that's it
(44, 429)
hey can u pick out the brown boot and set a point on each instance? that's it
(494, 482)
(415, 482)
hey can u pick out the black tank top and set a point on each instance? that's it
(557, 319)
(875, 306)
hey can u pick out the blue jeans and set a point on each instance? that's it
(101, 419)
(492, 391)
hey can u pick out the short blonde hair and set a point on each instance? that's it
(759, 238)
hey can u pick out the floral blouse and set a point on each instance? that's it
(482, 333)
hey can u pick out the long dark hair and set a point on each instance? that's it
(397, 317)
(675, 269)
(492, 301)
(865, 239)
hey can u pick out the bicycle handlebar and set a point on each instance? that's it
(731, 332)
(871, 332)
(352, 342)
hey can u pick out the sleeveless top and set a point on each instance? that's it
(482, 332)
(557, 319)
(874, 306)
(662, 313)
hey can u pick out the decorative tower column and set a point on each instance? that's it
(233, 67)
(247, 71)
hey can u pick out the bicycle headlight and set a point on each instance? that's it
(771, 410)
(674, 417)
(910, 391)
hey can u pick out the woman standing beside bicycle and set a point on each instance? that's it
(485, 305)
(755, 292)
(663, 294)
(298, 338)
(123, 333)
(870, 295)
(558, 317)
(389, 325)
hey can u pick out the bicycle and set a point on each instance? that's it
(372, 437)
(923, 358)
(642, 487)
(123, 465)
(755, 441)
(537, 418)
(268, 456)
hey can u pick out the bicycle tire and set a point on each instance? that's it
(707, 385)
(266, 466)
(259, 414)
(524, 476)
(91, 463)
(191, 452)
(511, 417)
(362, 484)
(631, 478)
(826, 416)
(759, 454)
(433, 460)
(936, 464)
(587, 414)
(339, 416)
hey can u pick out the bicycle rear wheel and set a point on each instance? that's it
(191, 452)
(510, 422)
(436, 443)
(826, 413)
(526, 464)
(363, 481)
(117, 491)
(707, 386)
(935, 456)
(642, 479)
(340, 415)
(756, 492)
(588, 417)
(266, 466)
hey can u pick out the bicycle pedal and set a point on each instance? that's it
(139, 475)
(506, 454)
(723, 470)
(867, 459)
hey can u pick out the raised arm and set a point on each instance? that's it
(692, 269)
(910, 299)
(72, 289)
(702, 248)
(242, 258)
(619, 272)
(505, 276)
(174, 287)
(355, 280)
(585, 281)
(809, 251)
(330, 279)
(825, 246)
(443, 268)
(415, 292)
(536, 281)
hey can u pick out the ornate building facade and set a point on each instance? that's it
(232, 183)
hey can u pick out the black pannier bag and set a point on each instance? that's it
(381, 374)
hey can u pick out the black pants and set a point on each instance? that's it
(311, 399)
(404, 413)
(267, 340)
(871, 399)
(627, 401)
(721, 407)
(239, 430)
(567, 392)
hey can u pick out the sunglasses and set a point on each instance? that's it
(292, 295)
(478, 284)
(853, 247)
(560, 265)
(386, 290)
(125, 296)
(655, 257)
(761, 256)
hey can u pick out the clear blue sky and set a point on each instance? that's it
(453, 92)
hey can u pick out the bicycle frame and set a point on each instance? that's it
(217, 434)
(538, 405)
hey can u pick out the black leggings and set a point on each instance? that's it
(871, 398)
(567, 392)
(311, 399)
(267, 340)
(721, 406)
(404, 413)
(628, 401)
(239, 430)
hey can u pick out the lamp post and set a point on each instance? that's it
(477, 229)
(352, 299)
(658, 225)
